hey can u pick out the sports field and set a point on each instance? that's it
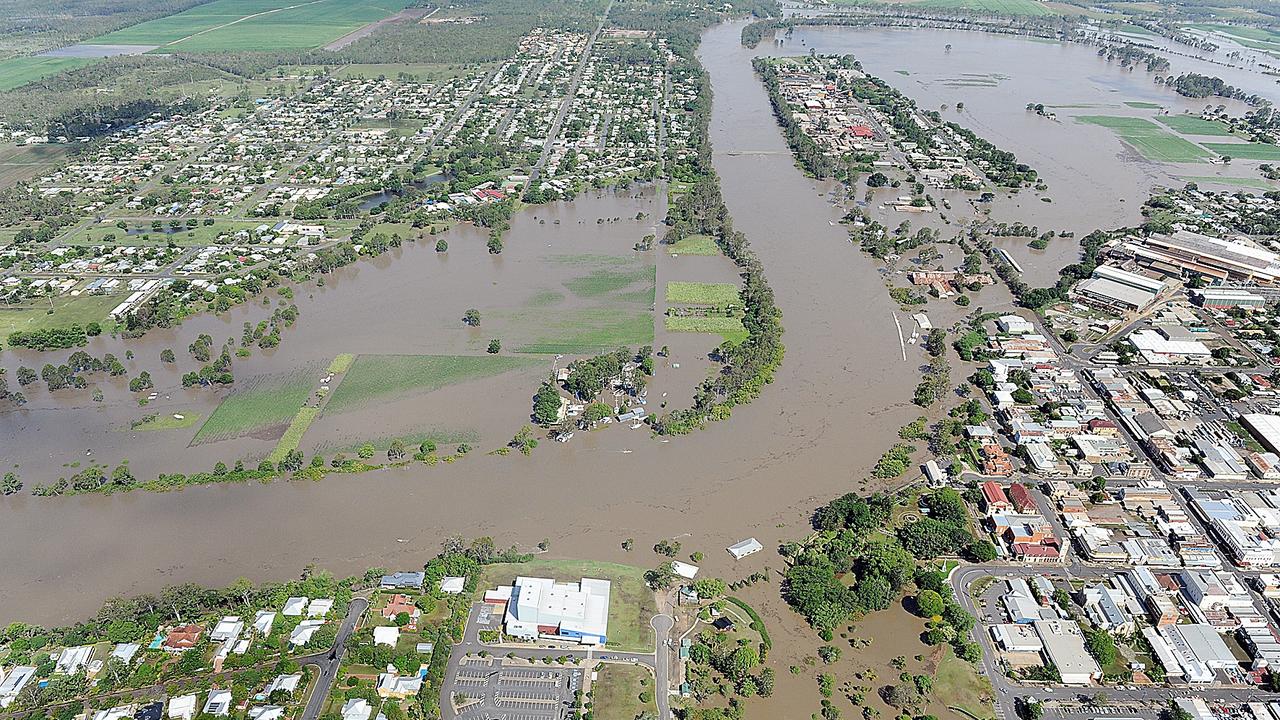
(1148, 139)
(237, 25)
(18, 71)
(377, 377)
(1247, 151)
(35, 315)
(259, 403)
(1193, 125)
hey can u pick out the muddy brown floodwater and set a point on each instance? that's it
(836, 404)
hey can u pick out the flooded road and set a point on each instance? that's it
(836, 404)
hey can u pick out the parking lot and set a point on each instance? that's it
(506, 692)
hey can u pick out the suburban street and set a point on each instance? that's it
(328, 662)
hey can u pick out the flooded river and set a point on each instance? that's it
(836, 404)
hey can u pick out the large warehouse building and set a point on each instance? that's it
(542, 607)
(1185, 252)
(1064, 647)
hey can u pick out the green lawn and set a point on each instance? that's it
(700, 293)
(958, 684)
(631, 602)
(259, 403)
(1195, 125)
(247, 25)
(590, 330)
(80, 310)
(379, 377)
(1148, 139)
(18, 71)
(1247, 151)
(615, 695)
(729, 328)
(694, 245)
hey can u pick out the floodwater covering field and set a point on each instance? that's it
(843, 378)
(1096, 178)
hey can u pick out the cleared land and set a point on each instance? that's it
(729, 328)
(631, 603)
(239, 25)
(80, 310)
(1148, 139)
(1192, 125)
(18, 71)
(258, 403)
(694, 245)
(1246, 151)
(700, 293)
(28, 161)
(615, 695)
(373, 377)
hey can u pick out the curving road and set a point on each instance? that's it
(329, 662)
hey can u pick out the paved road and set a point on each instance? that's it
(662, 625)
(329, 662)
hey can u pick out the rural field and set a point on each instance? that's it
(1148, 139)
(729, 328)
(1192, 125)
(631, 605)
(1247, 151)
(377, 377)
(24, 162)
(258, 403)
(18, 71)
(238, 25)
(700, 293)
(694, 245)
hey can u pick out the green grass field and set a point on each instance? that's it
(729, 328)
(586, 331)
(700, 293)
(247, 25)
(616, 692)
(1148, 139)
(80, 310)
(293, 434)
(958, 684)
(377, 377)
(341, 363)
(1255, 183)
(631, 603)
(604, 281)
(18, 71)
(258, 403)
(1247, 151)
(28, 161)
(694, 245)
(1143, 105)
(1193, 125)
(441, 437)
(200, 235)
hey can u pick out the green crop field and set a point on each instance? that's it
(1141, 105)
(1193, 125)
(589, 330)
(378, 377)
(293, 434)
(1148, 139)
(694, 245)
(259, 403)
(604, 281)
(239, 25)
(1247, 151)
(700, 293)
(18, 71)
(631, 604)
(729, 328)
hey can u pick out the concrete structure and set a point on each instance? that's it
(1064, 647)
(574, 611)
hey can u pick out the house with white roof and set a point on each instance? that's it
(228, 628)
(266, 712)
(319, 607)
(452, 585)
(182, 707)
(301, 634)
(125, 652)
(74, 659)
(218, 703)
(263, 621)
(287, 683)
(294, 606)
(14, 682)
(356, 709)
(116, 713)
(750, 546)
(386, 635)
